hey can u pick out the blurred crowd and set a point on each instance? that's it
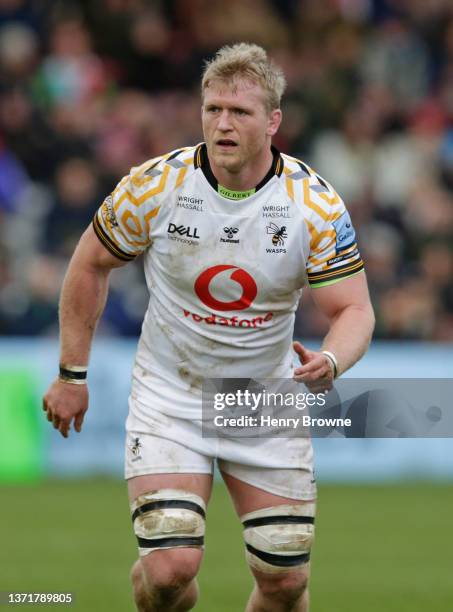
(89, 89)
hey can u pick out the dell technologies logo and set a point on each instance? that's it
(182, 230)
(183, 233)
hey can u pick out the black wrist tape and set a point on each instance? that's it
(71, 375)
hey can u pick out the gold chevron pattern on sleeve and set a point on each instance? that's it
(125, 220)
(108, 242)
(333, 253)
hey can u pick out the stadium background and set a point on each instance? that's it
(88, 89)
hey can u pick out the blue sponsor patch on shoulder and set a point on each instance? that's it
(345, 232)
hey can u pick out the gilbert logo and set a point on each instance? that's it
(237, 275)
(182, 230)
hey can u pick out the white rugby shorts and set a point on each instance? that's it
(158, 443)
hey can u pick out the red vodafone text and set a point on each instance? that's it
(213, 319)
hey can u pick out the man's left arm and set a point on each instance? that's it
(347, 306)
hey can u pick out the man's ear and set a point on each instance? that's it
(275, 118)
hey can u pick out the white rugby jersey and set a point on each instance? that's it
(225, 277)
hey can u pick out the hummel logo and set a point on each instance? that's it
(230, 231)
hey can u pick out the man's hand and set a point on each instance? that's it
(316, 371)
(64, 402)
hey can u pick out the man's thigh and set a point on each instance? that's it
(198, 484)
(278, 531)
(169, 487)
(160, 466)
(248, 498)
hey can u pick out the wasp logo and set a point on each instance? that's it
(278, 234)
(136, 446)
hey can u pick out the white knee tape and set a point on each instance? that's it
(168, 518)
(279, 539)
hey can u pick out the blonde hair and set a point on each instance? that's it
(249, 62)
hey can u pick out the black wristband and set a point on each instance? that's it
(67, 374)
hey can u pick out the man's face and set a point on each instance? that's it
(237, 126)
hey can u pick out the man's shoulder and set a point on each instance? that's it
(297, 170)
(158, 174)
(307, 188)
(183, 157)
(294, 167)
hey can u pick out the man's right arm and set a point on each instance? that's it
(82, 302)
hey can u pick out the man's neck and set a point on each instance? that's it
(247, 177)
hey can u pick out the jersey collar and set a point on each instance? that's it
(201, 160)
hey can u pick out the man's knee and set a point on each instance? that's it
(168, 519)
(278, 539)
(169, 525)
(165, 579)
(170, 570)
(278, 543)
(284, 588)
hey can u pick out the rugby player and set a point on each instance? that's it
(231, 231)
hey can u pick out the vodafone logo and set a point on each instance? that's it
(238, 275)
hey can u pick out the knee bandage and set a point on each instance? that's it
(279, 539)
(168, 518)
